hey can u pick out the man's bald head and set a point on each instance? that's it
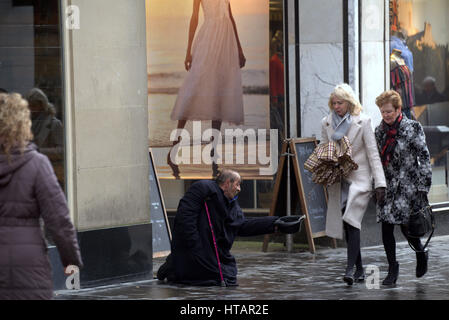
(229, 181)
(226, 174)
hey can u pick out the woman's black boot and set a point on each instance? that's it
(421, 263)
(349, 276)
(359, 274)
(393, 273)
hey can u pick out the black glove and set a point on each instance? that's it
(380, 196)
(420, 201)
(422, 195)
(289, 224)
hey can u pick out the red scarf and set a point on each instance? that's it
(390, 140)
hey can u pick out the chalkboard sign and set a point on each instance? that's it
(158, 216)
(314, 198)
(311, 197)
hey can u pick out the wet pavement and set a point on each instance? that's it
(299, 276)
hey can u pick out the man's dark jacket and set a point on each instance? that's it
(193, 256)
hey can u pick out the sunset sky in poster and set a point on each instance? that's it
(161, 8)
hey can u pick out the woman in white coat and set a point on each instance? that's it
(348, 199)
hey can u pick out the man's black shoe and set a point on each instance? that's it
(165, 270)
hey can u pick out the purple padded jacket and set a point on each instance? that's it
(29, 190)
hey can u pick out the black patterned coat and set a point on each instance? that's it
(408, 172)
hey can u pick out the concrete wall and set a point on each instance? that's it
(107, 109)
(373, 63)
(321, 59)
(321, 56)
(353, 45)
(290, 47)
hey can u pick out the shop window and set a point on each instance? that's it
(419, 38)
(30, 64)
(260, 25)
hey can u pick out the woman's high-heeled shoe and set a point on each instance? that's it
(215, 170)
(174, 167)
(214, 157)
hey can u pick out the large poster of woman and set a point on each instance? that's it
(208, 76)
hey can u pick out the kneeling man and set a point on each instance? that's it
(206, 223)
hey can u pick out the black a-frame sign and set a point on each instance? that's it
(311, 197)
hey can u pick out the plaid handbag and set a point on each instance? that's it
(331, 161)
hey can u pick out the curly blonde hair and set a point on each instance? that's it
(344, 91)
(15, 123)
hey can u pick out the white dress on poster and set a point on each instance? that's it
(212, 89)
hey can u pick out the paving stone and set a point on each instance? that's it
(299, 276)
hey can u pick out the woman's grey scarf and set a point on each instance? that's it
(341, 125)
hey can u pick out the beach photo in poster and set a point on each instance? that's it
(214, 70)
(208, 78)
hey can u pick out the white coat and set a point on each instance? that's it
(366, 155)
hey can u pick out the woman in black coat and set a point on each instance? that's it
(406, 162)
(29, 191)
